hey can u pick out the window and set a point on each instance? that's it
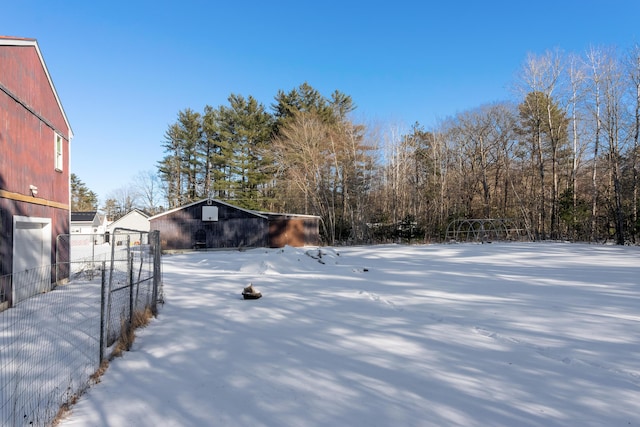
(58, 152)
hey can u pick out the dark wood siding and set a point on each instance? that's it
(235, 228)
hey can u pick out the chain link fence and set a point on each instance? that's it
(53, 342)
(84, 258)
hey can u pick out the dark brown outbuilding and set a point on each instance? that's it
(211, 223)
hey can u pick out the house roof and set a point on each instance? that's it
(204, 200)
(131, 212)
(88, 216)
(21, 41)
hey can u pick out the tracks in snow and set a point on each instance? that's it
(543, 351)
(558, 357)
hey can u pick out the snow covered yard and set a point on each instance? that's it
(438, 335)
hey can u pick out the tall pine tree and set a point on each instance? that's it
(244, 131)
(82, 199)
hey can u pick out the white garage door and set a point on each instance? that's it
(31, 256)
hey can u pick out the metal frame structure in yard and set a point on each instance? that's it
(485, 230)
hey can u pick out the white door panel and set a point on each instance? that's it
(31, 256)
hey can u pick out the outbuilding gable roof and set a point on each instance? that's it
(286, 215)
(254, 213)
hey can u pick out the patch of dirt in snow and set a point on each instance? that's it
(289, 260)
(324, 255)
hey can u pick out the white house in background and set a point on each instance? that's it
(88, 223)
(134, 220)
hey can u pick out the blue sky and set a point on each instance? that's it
(123, 69)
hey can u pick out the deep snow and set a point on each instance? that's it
(513, 334)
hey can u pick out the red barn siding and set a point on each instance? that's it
(28, 154)
(30, 116)
(26, 126)
(24, 75)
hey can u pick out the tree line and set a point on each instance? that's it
(561, 159)
(303, 156)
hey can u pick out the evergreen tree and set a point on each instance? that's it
(190, 125)
(341, 105)
(169, 168)
(244, 131)
(213, 150)
(220, 153)
(303, 99)
(111, 209)
(82, 199)
(180, 168)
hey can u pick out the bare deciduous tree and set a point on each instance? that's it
(546, 125)
(613, 128)
(120, 201)
(147, 186)
(633, 64)
(594, 59)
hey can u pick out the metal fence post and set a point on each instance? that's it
(57, 258)
(155, 248)
(102, 307)
(130, 331)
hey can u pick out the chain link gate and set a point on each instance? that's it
(53, 342)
